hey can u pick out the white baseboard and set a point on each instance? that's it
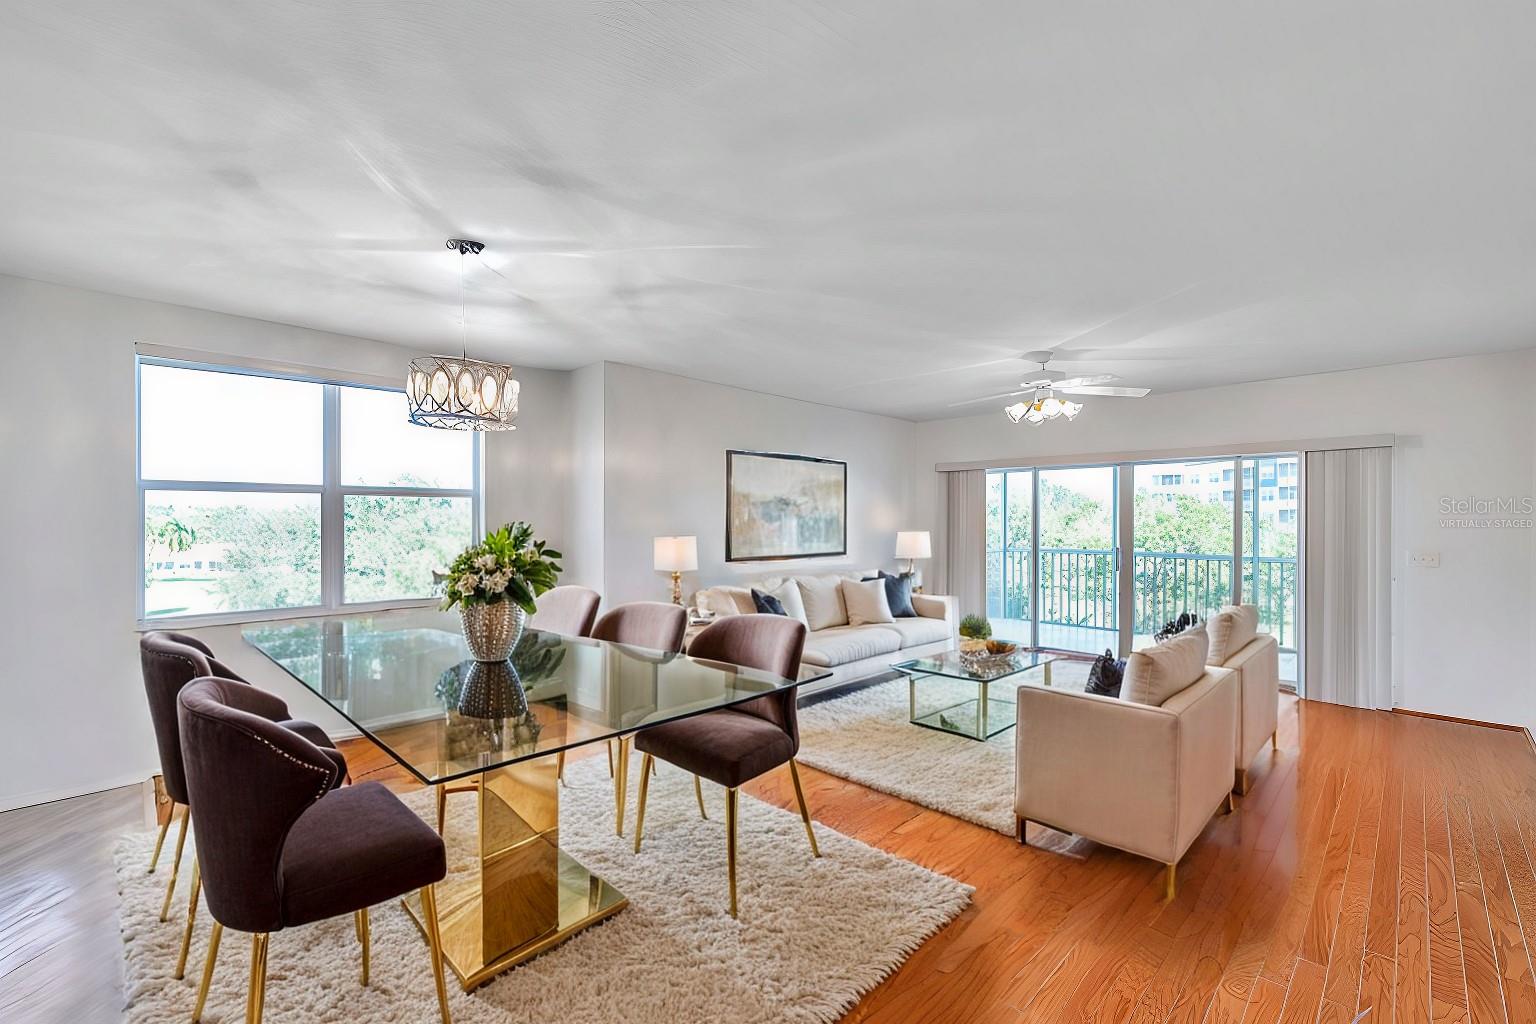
(48, 796)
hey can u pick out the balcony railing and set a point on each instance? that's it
(1077, 588)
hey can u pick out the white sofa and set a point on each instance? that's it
(1237, 644)
(848, 651)
(1143, 772)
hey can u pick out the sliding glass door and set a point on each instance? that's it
(1271, 512)
(1078, 568)
(1055, 558)
(1183, 539)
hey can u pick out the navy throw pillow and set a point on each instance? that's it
(767, 604)
(1106, 676)
(898, 594)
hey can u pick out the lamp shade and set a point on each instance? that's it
(913, 544)
(676, 554)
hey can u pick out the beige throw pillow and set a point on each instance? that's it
(1230, 630)
(1156, 673)
(866, 602)
(823, 600)
(725, 601)
(788, 594)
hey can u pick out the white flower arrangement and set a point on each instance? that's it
(509, 565)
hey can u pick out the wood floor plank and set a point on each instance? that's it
(1412, 987)
(1304, 997)
(1447, 973)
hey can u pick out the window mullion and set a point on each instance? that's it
(331, 508)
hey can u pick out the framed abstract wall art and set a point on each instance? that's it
(784, 506)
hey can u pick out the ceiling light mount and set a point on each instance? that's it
(457, 392)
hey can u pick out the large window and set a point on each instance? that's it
(261, 494)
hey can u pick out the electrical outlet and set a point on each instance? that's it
(1424, 559)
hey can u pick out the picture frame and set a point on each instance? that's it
(780, 506)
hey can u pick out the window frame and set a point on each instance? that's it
(331, 491)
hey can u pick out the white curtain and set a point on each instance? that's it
(1348, 570)
(965, 548)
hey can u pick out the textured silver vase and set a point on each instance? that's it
(492, 630)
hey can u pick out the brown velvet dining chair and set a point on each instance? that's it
(734, 745)
(281, 846)
(655, 626)
(568, 610)
(169, 661)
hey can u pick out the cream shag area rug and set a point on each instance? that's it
(866, 737)
(812, 937)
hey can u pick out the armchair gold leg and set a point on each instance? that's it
(1231, 802)
(1274, 740)
(730, 843)
(170, 889)
(213, 955)
(621, 785)
(165, 827)
(1172, 883)
(698, 792)
(435, 945)
(1019, 829)
(364, 939)
(257, 994)
(805, 812)
(442, 806)
(186, 936)
(1242, 782)
(645, 779)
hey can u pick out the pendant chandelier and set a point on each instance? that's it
(456, 392)
(1044, 406)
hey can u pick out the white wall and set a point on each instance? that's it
(1465, 428)
(665, 439)
(73, 717)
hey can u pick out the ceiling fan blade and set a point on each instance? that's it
(989, 398)
(1078, 382)
(1094, 389)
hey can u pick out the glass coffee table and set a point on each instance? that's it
(952, 693)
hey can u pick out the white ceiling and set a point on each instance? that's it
(868, 203)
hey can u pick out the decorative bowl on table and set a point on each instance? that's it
(989, 656)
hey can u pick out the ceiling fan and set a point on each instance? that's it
(1043, 387)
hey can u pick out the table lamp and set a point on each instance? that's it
(676, 555)
(912, 545)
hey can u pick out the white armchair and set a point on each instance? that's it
(1144, 778)
(1237, 644)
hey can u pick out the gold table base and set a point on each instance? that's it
(528, 895)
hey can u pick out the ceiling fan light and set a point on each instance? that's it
(1034, 416)
(1015, 412)
(1071, 409)
(1050, 408)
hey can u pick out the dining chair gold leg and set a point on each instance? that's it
(1274, 740)
(165, 827)
(621, 785)
(442, 806)
(360, 919)
(698, 792)
(213, 955)
(257, 994)
(170, 889)
(435, 945)
(560, 766)
(730, 843)
(1021, 829)
(646, 764)
(608, 745)
(186, 936)
(805, 812)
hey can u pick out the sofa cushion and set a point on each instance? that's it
(823, 599)
(917, 631)
(898, 594)
(1230, 630)
(866, 602)
(788, 595)
(828, 648)
(1157, 673)
(726, 601)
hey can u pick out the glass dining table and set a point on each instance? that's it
(406, 681)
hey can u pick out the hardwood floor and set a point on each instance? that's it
(1382, 865)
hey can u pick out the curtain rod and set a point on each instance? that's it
(1248, 448)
